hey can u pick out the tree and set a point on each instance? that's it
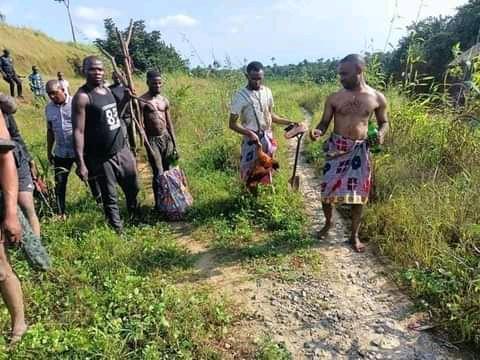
(66, 3)
(147, 49)
(2, 17)
(430, 42)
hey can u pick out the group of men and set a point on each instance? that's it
(89, 129)
(37, 86)
(347, 173)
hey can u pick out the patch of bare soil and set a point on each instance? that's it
(350, 310)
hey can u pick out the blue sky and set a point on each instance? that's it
(203, 30)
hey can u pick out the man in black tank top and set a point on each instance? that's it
(100, 145)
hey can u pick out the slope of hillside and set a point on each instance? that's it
(30, 47)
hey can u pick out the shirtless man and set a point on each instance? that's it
(10, 231)
(347, 171)
(159, 129)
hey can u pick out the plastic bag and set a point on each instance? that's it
(173, 196)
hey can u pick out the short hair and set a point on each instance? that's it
(152, 74)
(89, 59)
(356, 59)
(52, 85)
(254, 66)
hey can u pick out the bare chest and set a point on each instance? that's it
(355, 105)
(158, 105)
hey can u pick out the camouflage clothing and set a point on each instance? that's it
(36, 254)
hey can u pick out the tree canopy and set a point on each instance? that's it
(148, 50)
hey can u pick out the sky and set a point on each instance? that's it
(205, 30)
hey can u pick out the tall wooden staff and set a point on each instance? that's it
(127, 81)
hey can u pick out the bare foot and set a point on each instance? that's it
(324, 230)
(18, 333)
(358, 246)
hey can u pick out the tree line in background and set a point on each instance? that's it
(148, 49)
(421, 58)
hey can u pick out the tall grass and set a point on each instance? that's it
(29, 47)
(121, 297)
(427, 210)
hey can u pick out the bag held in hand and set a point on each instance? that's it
(173, 196)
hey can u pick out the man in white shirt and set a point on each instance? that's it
(253, 105)
(58, 113)
(64, 83)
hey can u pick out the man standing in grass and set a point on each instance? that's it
(10, 231)
(100, 145)
(63, 83)
(58, 113)
(347, 171)
(118, 91)
(159, 129)
(9, 74)
(253, 105)
(36, 83)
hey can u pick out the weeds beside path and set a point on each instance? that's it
(347, 310)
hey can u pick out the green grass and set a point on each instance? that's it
(427, 213)
(135, 296)
(270, 350)
(29, 47)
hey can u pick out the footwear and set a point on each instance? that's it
(298, 129)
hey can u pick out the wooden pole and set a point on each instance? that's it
(135, 99)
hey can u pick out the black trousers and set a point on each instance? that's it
(162, 147)
(120, 169)
(13, 79)
(62, 170)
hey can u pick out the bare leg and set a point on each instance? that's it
(356, 220)
(13, 297)
(26, 203)
(328, 213)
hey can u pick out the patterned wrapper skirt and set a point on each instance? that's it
(249, 155)
(347, 172)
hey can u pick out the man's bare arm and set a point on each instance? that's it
(280, 120)
(235, 126)
(382, 117)
(79, 104)
(7, 104)
(9, 187)
(327, 116)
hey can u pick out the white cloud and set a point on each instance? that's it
(91, 31)
(94, 14)
(6, 8)
(179, 20)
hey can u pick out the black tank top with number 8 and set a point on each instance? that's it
(103, 133)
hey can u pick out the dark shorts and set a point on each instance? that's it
(162, 147)
(25, 182)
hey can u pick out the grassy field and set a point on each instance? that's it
(111, 297)
(29, 47)
(427, 211)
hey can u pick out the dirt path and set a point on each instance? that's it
(348, 311)
(351, 310)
